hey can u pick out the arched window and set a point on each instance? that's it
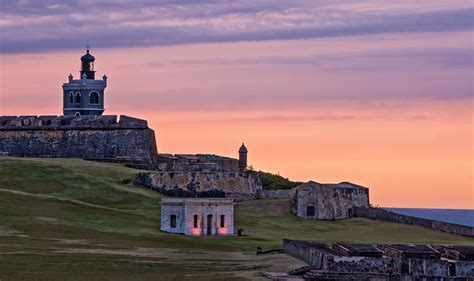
(222, 221)
(71, 97)
(173, 221)
(78, 97)
(195, 221)
(310, 211)
(94, 98)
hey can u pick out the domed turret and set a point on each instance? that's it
(84, 96)
(88, 65)
(243, 157)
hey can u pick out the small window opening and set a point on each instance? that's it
(222, 221)
(452, 269)
(94, 98)
(78, 97)
(310, 211)
(71, 98)
(406, 267)
(195, 221)
(173, 221)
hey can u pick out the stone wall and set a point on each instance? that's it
(319, 256)
(324, 259)
(384, 215)
(277, 194)
(313, 254)
(240, 186)
(86, 137)
(329, 201)
(465, 268)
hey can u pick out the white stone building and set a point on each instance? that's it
(197, 216)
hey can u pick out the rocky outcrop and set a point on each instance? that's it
(240, 186)
(86, 137)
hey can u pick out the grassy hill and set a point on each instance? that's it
(78, 220)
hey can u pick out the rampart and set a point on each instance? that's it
(240, 186)
(384, 215)
(415, 262)
(87, 137)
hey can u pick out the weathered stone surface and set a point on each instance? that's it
(86, 137)
(277, 194)
(205, 184)
(465, 269)
(197, 163)
(329, 201)
(399, 267)
(359, 250)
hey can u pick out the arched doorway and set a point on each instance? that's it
(209, 224)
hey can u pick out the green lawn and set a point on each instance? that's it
(69, 219)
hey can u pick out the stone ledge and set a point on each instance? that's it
(62, 122)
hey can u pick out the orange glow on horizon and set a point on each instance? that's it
(411, 152)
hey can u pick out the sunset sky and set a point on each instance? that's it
(379, 93)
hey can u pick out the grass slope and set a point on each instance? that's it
(68, 219)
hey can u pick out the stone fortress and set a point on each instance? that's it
(84, 132)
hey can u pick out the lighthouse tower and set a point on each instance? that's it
(84, 96)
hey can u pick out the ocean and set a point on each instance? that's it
(458, 216)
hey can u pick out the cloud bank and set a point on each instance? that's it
(28, 26)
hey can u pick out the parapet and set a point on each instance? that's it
(64, 122)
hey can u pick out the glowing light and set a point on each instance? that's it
(222, 231)
(196, 231)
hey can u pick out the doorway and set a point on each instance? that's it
(209, 224)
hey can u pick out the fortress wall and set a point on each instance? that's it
(86, 137)
(240, 186)
(277, 194)
(384, 215)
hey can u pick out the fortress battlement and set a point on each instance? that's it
(98, 137)
(65, 122)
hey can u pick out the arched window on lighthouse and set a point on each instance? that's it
(71, 97)
(78, 97)
(94, 98)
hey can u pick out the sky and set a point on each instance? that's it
(379, 93)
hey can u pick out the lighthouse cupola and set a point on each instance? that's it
(87, 65)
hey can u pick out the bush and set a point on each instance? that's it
(274, 181)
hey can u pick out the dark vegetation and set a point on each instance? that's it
(275, 181)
